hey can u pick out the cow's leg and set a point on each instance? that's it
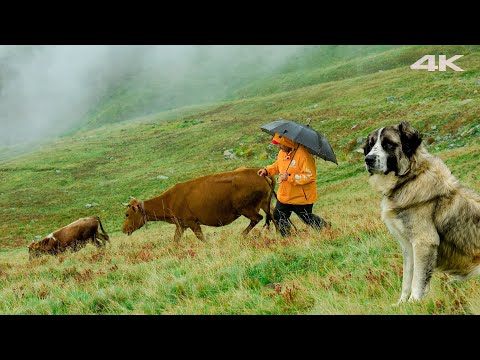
(269, 217)
(73, 247)
(178, 232)
(254, 217)
(105, 238)
(197, 230)
(268, 214)
(79, 244)
(95, 240)
(101, 237)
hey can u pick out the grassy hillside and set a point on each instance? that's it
(353, 268)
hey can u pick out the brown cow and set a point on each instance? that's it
(211, 200)
(73, 236)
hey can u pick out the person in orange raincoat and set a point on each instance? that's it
(298, 189)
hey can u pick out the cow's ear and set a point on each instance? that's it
(410, 138)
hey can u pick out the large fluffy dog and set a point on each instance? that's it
(435, 219)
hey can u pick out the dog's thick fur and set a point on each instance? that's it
(435, 219)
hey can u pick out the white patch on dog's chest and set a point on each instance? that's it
(383, 183)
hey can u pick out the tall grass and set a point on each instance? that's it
(355, 267)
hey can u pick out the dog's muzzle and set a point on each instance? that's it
(370, 163)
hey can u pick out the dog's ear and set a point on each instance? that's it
(410, 138)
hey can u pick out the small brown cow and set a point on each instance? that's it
(74, 236)
(211, 200)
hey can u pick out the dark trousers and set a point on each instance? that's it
(282, 212)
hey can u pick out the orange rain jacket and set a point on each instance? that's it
(301, 186)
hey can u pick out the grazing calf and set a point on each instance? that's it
(74, 236)
(211, 200)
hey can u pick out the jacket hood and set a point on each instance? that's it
(278, 139)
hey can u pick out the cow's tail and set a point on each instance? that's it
(107, 238)
(271, 182)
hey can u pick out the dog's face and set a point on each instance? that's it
(391, 148)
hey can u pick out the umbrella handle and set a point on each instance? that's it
(292, 157)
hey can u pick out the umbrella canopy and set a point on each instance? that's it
(302, 134)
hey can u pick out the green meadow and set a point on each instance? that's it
(355, 267)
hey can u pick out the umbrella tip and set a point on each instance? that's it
(308, 121)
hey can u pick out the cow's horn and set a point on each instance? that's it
(124, 204)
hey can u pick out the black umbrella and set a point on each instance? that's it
(302, 134)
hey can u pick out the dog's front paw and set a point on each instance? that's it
(400, 301)
(414, 299)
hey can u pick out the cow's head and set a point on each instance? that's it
(44, 246)
(134, 216)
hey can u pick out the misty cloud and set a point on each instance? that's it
(46, 90)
